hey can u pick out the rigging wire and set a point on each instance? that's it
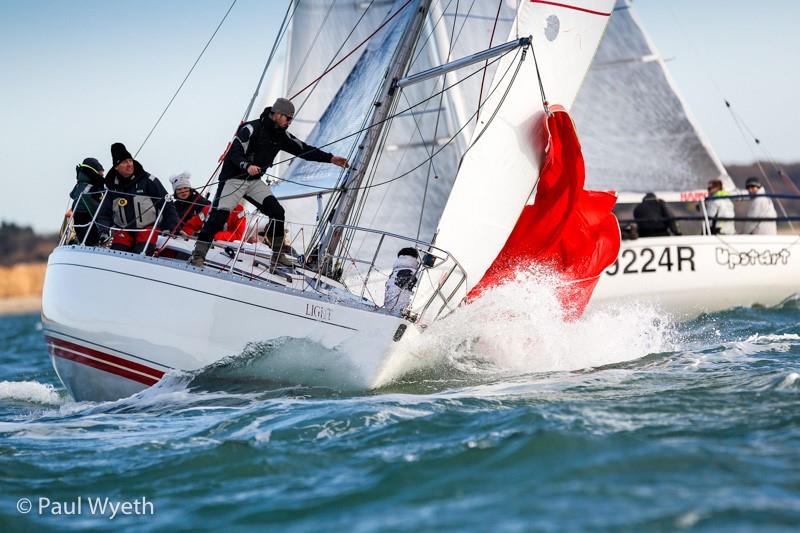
(178, 90)
(338, 51)
(278, 38)
(454, 41)
(491, 40)
(314, 39)
(351, 52)
(436, 132)
(741, 125)
(361, 130)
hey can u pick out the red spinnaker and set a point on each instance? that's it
(568, 230)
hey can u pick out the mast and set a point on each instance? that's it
(388, 92)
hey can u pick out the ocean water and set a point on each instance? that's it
(501, 419)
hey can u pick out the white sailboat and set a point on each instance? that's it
(116, 322)
(638, 136)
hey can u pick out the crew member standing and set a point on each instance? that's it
(252, 151)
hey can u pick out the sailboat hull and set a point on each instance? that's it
(689, 275)
(116, 323)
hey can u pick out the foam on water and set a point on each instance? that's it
(30, 391)
(518, 328)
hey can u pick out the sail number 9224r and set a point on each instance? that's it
(649, 260)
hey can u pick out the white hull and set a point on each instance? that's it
(689, 275)
(116, 322)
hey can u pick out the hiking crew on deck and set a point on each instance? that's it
(89, 189)
(131, 206)
(253, 150)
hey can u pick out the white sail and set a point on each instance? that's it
(415, 141)
(636, 132)
(499, 172)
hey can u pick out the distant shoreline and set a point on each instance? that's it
(20, 305)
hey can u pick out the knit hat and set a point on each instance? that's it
(284, 107)
(93, 163)
(119, 153)
(179, 181)
(752, 180)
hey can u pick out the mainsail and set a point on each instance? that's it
(423, 145)
(636, 133)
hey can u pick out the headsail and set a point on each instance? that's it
(636, 132)
(498, 174)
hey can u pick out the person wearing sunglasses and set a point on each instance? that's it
(251, 153)
(761, 207)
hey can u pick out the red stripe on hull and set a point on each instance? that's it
(131, 365)
(99, 365)
(568, 6)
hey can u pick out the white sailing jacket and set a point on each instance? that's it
(722, 208)
(761, 207)
(400, 285)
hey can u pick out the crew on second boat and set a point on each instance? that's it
(653, 218)
(720, 210)
(131, 207)
(760, 209)
(252, 151)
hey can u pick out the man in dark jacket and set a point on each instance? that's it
(653, 218)
(132, 204)
(253, 151)
(86, 196)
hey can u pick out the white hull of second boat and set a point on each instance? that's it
(115, 323)
(689, 275)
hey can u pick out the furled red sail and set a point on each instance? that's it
(568, 230)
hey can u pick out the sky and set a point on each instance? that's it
(79, 75)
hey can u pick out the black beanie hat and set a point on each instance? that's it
(93, 163)
(412, 252)
(119, 153)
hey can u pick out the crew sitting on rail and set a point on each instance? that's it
(131, 206)
(400, 285)
(251, 153)
(86, 196)
(193, 208)
(654, 219)
(720, 210)
(761, 207)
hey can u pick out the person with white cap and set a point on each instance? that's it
(193, 208)
(251, 153)
(760, 208)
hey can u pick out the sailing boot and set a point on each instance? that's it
(278, 257)
(198, 258)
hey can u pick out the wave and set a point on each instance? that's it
(518, 328)
(30, 392)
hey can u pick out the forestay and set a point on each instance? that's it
(635, 130)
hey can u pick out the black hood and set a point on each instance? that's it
(86, 174)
